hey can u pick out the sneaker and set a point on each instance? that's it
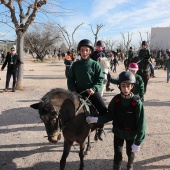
(100, 134)
(5, 90)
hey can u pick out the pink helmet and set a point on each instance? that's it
(133, 66)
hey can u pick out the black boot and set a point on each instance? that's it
(116, 167)
(100, 134)
(107, 86)
(130, 162)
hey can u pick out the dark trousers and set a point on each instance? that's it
(152, 69)
(10, 73)
(118, 148)
(98, 103)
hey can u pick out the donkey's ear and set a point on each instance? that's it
(35, 106)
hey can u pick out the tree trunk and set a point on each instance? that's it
(20, 42)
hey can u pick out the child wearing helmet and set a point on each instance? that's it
(127, 113)
(138, 86)
(99, 50)
(100, 53)
(145, 54)
(86, 77)
(130, 54)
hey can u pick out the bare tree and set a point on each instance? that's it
(107, 44)
(112, 43)
(70, 42)
(128, 41)
(148, 39)
(40, 39)
(95, 33)
(23, 14)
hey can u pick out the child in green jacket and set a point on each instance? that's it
(127, 113)
(86, 78)
(138, 86)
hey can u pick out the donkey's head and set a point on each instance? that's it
(50, 118)
(104, 62)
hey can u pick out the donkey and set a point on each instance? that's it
(144, 71)
(62, 110)
(105, 65)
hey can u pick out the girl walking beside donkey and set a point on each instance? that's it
(127, 113)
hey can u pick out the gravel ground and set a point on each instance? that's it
(22, 142)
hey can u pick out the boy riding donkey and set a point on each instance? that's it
(127, 113)
(144, 54)
(86, 78)
(99, 52)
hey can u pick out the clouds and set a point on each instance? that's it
(101, 8)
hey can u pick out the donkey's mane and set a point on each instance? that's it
(59, 92)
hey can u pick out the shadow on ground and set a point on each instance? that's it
(94, 164)
(19, 116)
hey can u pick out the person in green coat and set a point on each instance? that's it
(138, 86)
(144, 54)
(86, 78)
(130, 54)
(127, 113)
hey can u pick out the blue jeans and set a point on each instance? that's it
(10, 73)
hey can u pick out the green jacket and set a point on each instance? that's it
(167, 64)
(130, 54)
(144, 53)
(85, 74)
(139, 134)
(138, 87)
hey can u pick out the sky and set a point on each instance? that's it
(121, 16)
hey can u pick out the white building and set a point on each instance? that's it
(160, 38)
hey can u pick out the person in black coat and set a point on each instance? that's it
(12, 61)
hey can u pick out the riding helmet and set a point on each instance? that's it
(100, 43)
(133, 66)
(144, 43)
(85, 42)
(127, 77)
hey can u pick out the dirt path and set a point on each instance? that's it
(22, 145)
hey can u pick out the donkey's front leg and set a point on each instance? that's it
(81, 155)
(67, 147)
(88, 146)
